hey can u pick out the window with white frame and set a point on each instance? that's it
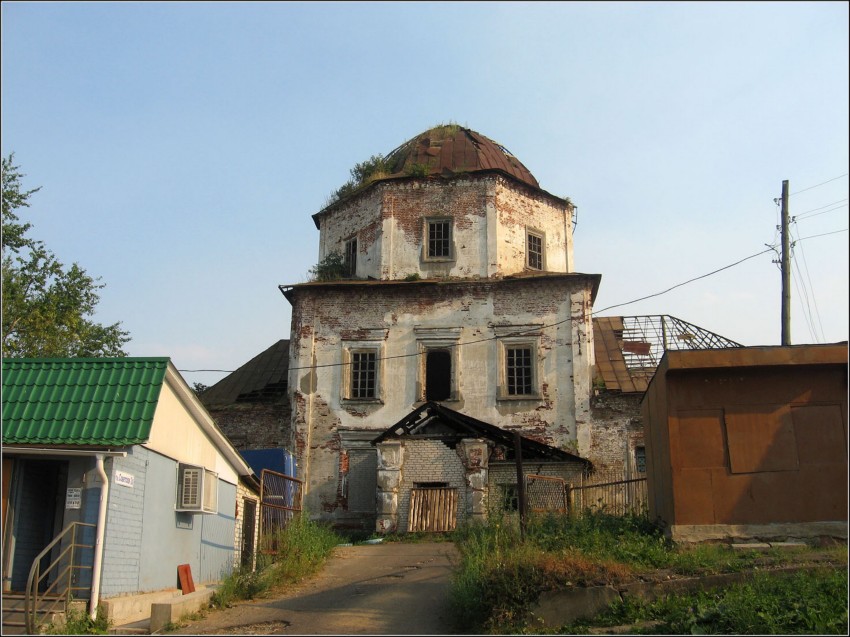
(518, 352)
(519, 370)
(362, 373)
(534, 250)
(438, 240)
(197, 489)
(350, 258)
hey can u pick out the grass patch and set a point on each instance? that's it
(813, 603)
(500, 576)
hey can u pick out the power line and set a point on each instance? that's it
(731, 265)
(818, 185)
(834, 203)
(537, 328)
(814, 236)
(801, 283)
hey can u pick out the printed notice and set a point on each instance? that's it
(73, 498)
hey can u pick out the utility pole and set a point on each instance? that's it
(786, 269)
(522, 504)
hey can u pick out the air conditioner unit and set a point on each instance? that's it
(197, 489)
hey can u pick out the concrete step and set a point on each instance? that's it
(14, 619)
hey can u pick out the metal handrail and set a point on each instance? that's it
(33, 598)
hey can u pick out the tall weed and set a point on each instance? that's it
(286, 557)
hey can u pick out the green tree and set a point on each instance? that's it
(47, 308)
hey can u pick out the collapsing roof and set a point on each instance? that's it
(433, 420)
(628, 349)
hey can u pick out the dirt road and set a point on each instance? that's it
(380, 589)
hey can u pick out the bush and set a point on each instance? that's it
(298, 550)
(79, 622)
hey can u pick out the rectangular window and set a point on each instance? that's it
(351, 258)
(510, 497)
(640, 459)
(519, 371)
(363, 375)
(438, 239)
(534, 250)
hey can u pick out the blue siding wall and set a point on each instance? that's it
(122, 548)
(217, 536)
(147, 539)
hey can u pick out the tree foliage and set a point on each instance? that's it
(47, 307)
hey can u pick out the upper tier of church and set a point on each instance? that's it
(448, 203)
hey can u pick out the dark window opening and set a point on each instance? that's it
(535, 251)
(430, 485)
(518, 371)
(640, 459)
(510, 497)
(439, 239)
(351, 257)
(363, 366)
(438, 375)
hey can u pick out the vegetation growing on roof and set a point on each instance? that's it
(363, 174)
(331, 268)
(380, 167)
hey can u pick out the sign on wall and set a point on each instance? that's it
(73, 498)
(124, 479)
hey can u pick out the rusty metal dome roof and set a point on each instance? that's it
(451, 149)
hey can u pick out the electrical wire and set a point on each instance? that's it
(811, 213)
(803, 293)
(537, 328)
(818, 185)
(807, 313)
(810, 287)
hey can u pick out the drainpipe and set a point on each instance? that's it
(101, 533)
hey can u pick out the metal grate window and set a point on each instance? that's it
(535, 251)
(640, 459)
(363, 368)
(518, 370)
(439, 238)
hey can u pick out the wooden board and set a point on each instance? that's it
(187, 585)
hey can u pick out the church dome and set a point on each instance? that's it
(450, 149)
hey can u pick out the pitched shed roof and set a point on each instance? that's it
(80, 401)
(264, 377)
(433, 420)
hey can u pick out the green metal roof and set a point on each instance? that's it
(80, 401)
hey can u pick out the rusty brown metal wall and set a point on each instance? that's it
(745, 443)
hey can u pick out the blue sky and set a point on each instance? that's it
(183, 147)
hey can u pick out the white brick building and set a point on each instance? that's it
(460, 290)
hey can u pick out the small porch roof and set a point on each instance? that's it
(433, 420)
